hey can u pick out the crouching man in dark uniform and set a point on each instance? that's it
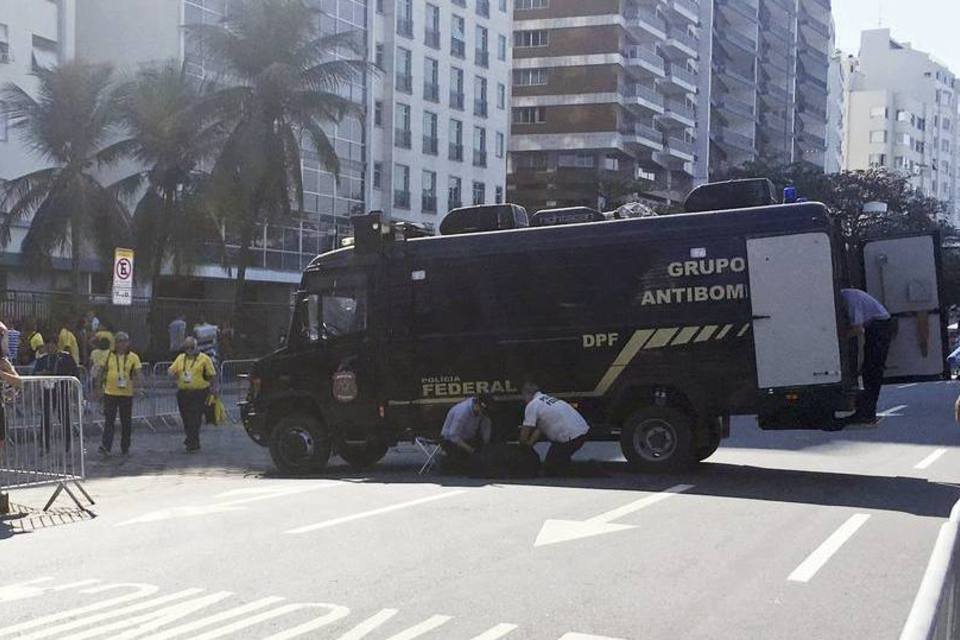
(465, 431)
(867, 317)
(554, 420)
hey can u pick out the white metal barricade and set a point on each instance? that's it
(935, 614)
(43, 444)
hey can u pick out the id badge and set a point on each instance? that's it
(121, 383)
(188, 376)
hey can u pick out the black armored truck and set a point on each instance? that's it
(657, 329)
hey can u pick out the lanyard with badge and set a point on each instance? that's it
(188, 369)
(121, 371)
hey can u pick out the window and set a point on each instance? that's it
(378, 113)
(456, 140)
(575, 160)
(501, 96)
(432, 26)
(899, 162)
(479, 193)
(431, 80)
(46, 53)
(501, 47)
(377, 175)
(879, 112)
(502, 5)
(945, 145)
(402, 138)
(878, 159)
(501, 143)
(946, 123)
(922, 124)
(538, 115)
(4, 43)
(380, 6)
(458, 36)
(498, 198)
(429, 186)
(480, 96)
(401, 186)
(878, 136)
(538, 38)
(404, 70)
(479, 147)
(526, 5)
(378, 55)
(456, 88)
(482, 57)
(904, 116)
(430, 133)
(529, 77)
(483, 8)
(454, 192)
(405, 18)
(904, 139)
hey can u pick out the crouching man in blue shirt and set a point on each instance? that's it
(465, 431)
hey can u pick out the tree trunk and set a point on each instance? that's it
(246, 237)
(160, 250)
(75, 262)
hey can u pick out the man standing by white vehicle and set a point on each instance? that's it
(554, 420)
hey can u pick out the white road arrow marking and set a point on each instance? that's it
(554, 531)
(375, 512)
(892, 412)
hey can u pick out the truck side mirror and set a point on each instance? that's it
(313, 319)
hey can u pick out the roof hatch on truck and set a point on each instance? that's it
(490, 217)
(731, 194)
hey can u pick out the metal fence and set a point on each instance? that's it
(935, 614)
(43, 421)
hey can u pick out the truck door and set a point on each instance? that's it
(903, 274)
(794, 310)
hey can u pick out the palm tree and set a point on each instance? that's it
(282, 86)
(170, 141)
(67, 125)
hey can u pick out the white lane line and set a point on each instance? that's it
(892, 412)
(375, 512)
(930, 459)
(907, 386)
(369, 625)
(497, 632)
(418, 630)
(815, 561)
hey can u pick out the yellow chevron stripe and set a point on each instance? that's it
(743, 331)
(686, 335)
(661, 338)
(706, 333)
(723, 332)
(625, 357)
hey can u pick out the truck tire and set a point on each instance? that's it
(658, 439)
(707, 440)
(362, 455)
(299, 445)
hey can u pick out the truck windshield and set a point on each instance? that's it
(330, 306)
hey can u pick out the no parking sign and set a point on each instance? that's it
(122, 276)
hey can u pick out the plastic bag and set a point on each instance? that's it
(214, 412)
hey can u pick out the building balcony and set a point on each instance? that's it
(428, 203)
(647, 20)
(405, 27)
(456, 100)
(682, 78)
(430, 144)
(688, 9)
(645, 57)
(775, 92)
(736, 140)
(431, 38)
(479, 158)
(815, 25)
(774, 123)
(731, 107)
(482, 58)
(431, 91)
(739, 77)
(402, 138)
(737, 39)
(404, 83)
(644, 96)
(480, 108)
(644, 135)
(401, 199)
(678, 114)
(746, 9)
(456, 152)
(786, 6)
(679, 148)
(680, 45)
(806, 106)
(458, 48)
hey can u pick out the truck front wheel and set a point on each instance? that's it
(657, 439)
(300, 445)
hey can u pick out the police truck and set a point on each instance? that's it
(657, 329)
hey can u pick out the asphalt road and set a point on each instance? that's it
(779, 535)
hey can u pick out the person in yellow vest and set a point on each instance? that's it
(196, 379)
(67, 341)
(119, 376)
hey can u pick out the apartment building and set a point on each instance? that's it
(606, 92)
(667, 91)
(770, 81)
(838, 80)
(903, 116)
(440, 110)
(33, 34)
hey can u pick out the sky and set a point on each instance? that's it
(929, 25)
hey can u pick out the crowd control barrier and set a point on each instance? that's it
(44, 445)
(935, 614)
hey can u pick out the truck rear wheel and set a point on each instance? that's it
(362, 455)
(707, 440)
(657, 439)
(300, 445)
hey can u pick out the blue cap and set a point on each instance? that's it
(789, 194)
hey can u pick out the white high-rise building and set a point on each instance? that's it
(902, 115)
(838, 80)
(440, 113)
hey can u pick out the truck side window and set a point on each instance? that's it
(343, 313)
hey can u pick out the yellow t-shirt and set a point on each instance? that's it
(118, 380)
(68, 342)
(103, 333)
(193, 372)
